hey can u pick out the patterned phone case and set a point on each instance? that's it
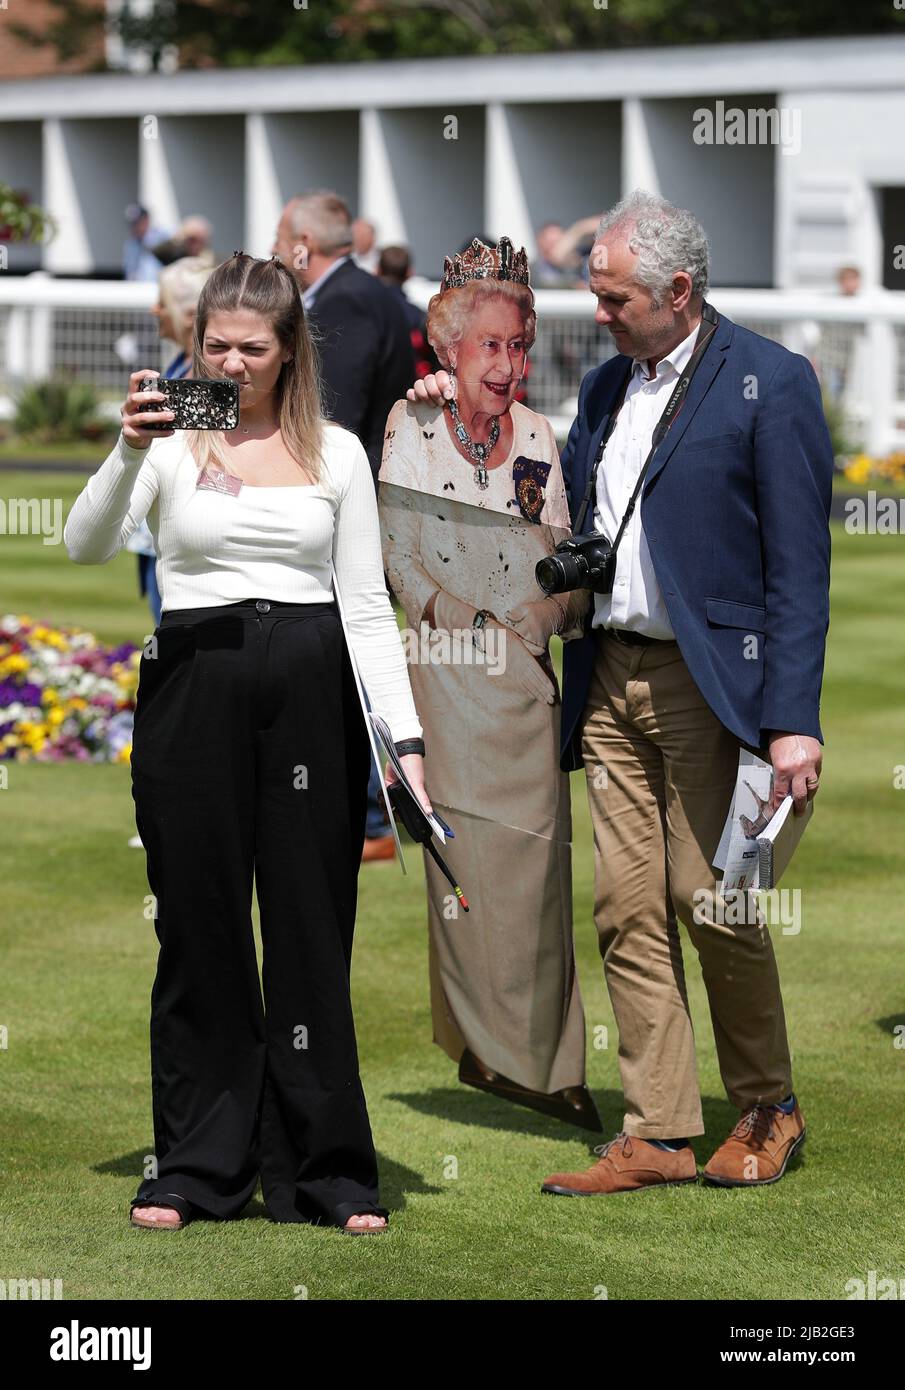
(197, 403)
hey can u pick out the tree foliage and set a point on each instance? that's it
(253, 33)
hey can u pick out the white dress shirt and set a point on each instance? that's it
(637, 600)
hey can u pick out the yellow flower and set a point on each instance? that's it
(892, 467)
(49, 696)
(55, 717)
(860, 468)
(124, 755)
(13, 665)
(76, 702)
(31, 733)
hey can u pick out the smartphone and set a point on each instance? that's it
(196, 403)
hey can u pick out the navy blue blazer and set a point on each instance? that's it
(366, 356)
(735, 508)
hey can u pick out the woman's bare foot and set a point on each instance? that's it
(156, 1216)
(366, 1221)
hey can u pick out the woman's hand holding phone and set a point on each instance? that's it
(136, 417)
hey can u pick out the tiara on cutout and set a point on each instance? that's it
(480, 262)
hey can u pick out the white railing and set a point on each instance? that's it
(98, 331)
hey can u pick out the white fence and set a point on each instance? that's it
(98, 331)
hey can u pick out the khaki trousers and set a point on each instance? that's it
(660, 773)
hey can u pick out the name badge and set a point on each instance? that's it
(218, 480)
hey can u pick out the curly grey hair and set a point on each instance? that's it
(665, 239)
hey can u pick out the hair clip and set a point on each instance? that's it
(238, 253)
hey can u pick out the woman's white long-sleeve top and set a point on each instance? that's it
(274, 543)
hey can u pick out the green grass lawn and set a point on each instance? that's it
(78, 962)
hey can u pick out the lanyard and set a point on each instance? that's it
(671, 410)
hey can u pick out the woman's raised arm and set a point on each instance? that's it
(113, 502)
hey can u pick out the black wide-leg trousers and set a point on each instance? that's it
(250, 761)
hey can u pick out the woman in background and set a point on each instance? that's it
(179, 284)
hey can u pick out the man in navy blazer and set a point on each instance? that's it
(737, 530)
(366, 362)
(364, 345)
(712, 637)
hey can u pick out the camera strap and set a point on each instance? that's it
(671, 410)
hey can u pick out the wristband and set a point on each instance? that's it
(410, 745)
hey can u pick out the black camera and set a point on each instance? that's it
(580, 562)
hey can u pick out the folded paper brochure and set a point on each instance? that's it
(756, 846)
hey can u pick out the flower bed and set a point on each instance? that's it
(63, 694)
(864, 470)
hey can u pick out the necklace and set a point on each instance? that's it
(271, 425)
(478, 453)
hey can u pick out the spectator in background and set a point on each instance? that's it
(365, 350)
(545, 272)
(364, 245)
(366, 360)
(393, 269)
(192, 240)
(180, 286)
(563, 255)
(139, 261)
(848, 279)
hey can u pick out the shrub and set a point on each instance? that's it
(57, 411)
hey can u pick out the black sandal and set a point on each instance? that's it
(166, 1199)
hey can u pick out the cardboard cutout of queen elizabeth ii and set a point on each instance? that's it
(471, 497)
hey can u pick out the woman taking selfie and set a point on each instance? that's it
(250, 761)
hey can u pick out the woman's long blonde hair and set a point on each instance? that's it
(267, 288)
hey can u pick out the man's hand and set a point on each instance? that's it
(433, 390)
(797, 760)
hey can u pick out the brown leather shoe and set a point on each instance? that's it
(378, 847)
(574, 1104)
(758, 1149)
(626, 1164)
